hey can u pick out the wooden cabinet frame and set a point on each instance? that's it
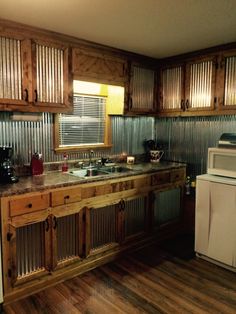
(55, 206)
(28, 84)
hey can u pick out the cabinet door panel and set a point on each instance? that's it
(103, 226)
(230, 81)
(200, 85)
(68, 237)
(49, 74)
(142, 90)
(135, 216)
(14, 71)
(167, 206)
(29, 251)
(99, 67)
(172, 82)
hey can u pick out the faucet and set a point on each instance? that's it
(91, 152)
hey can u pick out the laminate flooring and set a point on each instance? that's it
(155, 279)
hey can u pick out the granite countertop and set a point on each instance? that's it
(56, 179)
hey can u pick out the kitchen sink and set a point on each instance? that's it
(115, 169)
(94, 172)
(85, 173)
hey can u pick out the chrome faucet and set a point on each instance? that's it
(91, 153)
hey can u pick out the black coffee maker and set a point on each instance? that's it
(7, 173)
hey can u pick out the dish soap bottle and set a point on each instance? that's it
(65, 163)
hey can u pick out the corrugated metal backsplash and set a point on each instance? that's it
(184, 139)
(187, 139)
(28, 137)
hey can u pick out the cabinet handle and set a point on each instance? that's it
(36, 95)
(131, 103)
(46, 225)
(182, 104)
(187, 104)
(66, 197)
(54, 222)
(122, 205)
(26, 95)
(30, 205)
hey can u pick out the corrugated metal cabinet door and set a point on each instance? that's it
(227, 81)
(15, 72)
(142, 89)
(29, 251)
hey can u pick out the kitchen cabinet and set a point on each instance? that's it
(52, 235)
(26, 238)
(34, 75)
(99, 66)
(166, 206)
(166, 201)
(141, 90)
(226, 92)
(188, 87)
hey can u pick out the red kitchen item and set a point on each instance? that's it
(36, 164)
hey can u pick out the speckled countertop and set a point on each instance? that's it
(58, 179)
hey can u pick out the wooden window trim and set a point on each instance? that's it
(107, 138)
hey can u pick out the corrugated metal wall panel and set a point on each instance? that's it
(188, 139)
(185, 139)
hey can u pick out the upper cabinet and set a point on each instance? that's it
(226, 84)
(51, 89)
(98, 66)
(34, 76)
(141, 90)
(188, 86)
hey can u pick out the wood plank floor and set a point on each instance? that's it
(153, 280)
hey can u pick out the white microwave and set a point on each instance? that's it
(222, 162)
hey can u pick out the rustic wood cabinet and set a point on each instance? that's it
(68, 230)
(34, 75)
(226, 84)
(99, 66)
(141, 90)
(188, 86)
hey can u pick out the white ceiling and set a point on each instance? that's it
(156, 28)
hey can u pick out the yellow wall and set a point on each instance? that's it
(114, 94)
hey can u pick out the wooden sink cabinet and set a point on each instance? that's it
(52, 235)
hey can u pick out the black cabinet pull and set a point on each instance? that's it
(131, 102)
(54, 222)
(26, 95)
(182, 104)
(66, 197)
(187, 104)
(47, 225)
(36, 95)
(30, 205)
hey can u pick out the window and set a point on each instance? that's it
(88, 126)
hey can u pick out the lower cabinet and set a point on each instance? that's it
(29, 251)
(103, 229)
(167, 206)
(52, 235)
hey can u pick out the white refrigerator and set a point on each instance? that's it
(215, 223)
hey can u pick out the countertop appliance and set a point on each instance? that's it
(7, 173)
(215, 231)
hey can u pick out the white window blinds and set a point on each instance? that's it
(87, 125)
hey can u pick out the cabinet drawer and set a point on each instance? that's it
(65, 196)
(177, 175)
(160, 178)
(28, 204)
(93, 191)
